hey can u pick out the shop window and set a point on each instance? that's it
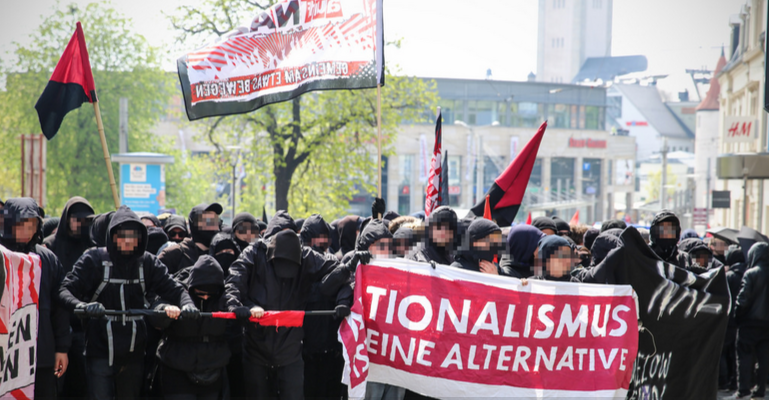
(592, 117)
(562, 169)
(558, 115)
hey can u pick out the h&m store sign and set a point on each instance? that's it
(589, 143)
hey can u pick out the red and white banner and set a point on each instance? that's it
(451, 333)
(291, 48)
(18, 324)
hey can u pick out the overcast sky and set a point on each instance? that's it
(461, 39)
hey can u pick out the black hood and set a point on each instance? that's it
(174, 222)
(280, 221)
(243, 217)
(603, 244)
(203, 236)
(549, 245)
(374, 230)
(662, 216)
(561, 225)
(49, 224)
(544, 223)
(479, 229)
(613, 224)
(15, 210)
(589, 238)
(347, 228)
(154, 220)
(758, 255)
(76, 204)
(223, 241)
(693, 245)
(99, 228)
(156, 238)
(390, 215)
(206, 272)
(734, 255)
(285, 254)
(299, 223)
(522, 240)
(314, 226)
(407, 235)
(125, 218)
(444, 215)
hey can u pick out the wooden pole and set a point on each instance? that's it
(106, 154)
(379, 137)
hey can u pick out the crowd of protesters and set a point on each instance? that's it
(95, 264)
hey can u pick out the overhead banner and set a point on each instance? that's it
(18, 324)
(450, 333)
(293, 47)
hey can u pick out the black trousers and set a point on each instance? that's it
(727, 367)
(237, 383)
(176, 386)
(323, 376)
(752, 347)
(75, 384)
(270, 382)
(122, 380)
(45, 384)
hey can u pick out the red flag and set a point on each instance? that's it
(528, 220)
(435, 180)
(506, 194)
(270, 318)
(70, 86)
(487, 209)
(575, 219)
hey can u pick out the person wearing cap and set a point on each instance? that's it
(204, 225)
(176, 228)
(150, 221)
(71, 240)
(245, 229)
(22, 230)
(119, 277)
(546, 225)
(276, 273)
(482, 243)
(563, 228)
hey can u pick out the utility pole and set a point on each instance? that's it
(664, 176)
(478, 167)
(708, 199)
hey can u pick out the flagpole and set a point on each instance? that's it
(379, 137)
(106, 154)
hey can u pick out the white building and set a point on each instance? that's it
(571, 31)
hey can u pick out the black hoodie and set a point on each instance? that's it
(69, 248)
(735, 260)
(314, 226)
(753, 300)
(347, 228)
(428, 250)
(53, 333)
(220, 242)
(239, 219)
(196, 345)
(468, 257)
(99, 228)
(605, 242)
(253, 282)
(87, 275)
(667, 249)
(279, 222)
(692, 246)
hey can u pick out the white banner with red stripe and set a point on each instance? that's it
(451, 333)
(18, 325)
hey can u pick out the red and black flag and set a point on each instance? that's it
(70, 86)
(435, 180)
(506, 194)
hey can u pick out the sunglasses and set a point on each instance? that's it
(175, 234)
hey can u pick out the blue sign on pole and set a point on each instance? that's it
(586, 166)
(143, 186)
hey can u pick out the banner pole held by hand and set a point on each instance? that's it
(106, 154)
(379, 137)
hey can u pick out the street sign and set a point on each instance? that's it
(721, 199)
(700, 216)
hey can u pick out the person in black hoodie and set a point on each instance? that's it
(481, 244)
(176, 228)
(440, 238)
(245, 229)
(204, 225)
(316, 233)
(546, 225)
(347, 228)
(735, 263)
(119, 277)
(71, 240)
(752, 313)
(281, 221)
(193, 353)
(557, 257)
(665, 232)
(700, 253)
(22, 231)
(277, 274)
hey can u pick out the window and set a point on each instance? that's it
(558, 114)
(562, 177)
(481, 112)
(535, 179)
(405, 166)
(592, 117)
(455, 180)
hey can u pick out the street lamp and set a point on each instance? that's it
(234, 163)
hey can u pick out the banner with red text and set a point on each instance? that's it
(451, 333)
(18, 324)
(293, 47)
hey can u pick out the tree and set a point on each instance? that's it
(655, 181)
(320, 145)
(124, 65)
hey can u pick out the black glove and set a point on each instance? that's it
(363, 257)
(342, 311)
(433, 264)
(92, 310)
(377, 208)
(190, 312)
(242, 312)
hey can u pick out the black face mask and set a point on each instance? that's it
(225, 260)
(584, 260)
(241, 243)
(203, 237)
(667, 245)
(488, 255)
(320, 249)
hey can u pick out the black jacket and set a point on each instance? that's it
(196, 345)
(66, 247)
(736, 262)
(753, 299)
(177, 257)
(280, 221)
(53, 332)
(253, 282)
(427, 250)
(666, 251)
(82, 283)
(314, 226)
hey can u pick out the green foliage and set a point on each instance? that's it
(655, 181)
(124, 65)
(313, 153)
